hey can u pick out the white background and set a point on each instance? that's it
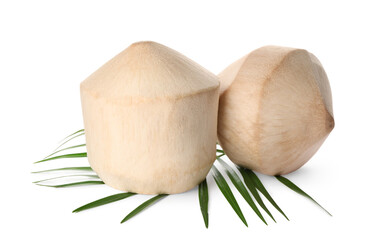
(47, 48)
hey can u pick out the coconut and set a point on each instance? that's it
(275, 109)
(150, 117)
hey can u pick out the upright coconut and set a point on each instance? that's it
(275, 109)
(150, 117)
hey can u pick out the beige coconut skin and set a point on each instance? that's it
(275, 109)
(150, 117)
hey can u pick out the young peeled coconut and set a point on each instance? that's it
(275, 109)
(150, 117)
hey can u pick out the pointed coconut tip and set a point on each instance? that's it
(275, 110)
(237, 68)
(149, 70)
(144, 43)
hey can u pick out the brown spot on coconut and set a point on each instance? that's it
(275, 109)
(150, 117)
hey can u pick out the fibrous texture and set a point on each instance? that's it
(150, 117)
(275, 109)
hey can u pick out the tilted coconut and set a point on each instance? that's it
(275, 109)
(150, 117)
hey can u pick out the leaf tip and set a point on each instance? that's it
(206, 223)
(76, 210)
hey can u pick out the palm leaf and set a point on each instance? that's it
(72, 155)
(203, 196)
(73, 184)
(295, 188)
(224, 188)
(219, 151)
(77, 175)
(103, 201)
(143, 206)
(76, 146)
(79, 131)
(241, 188)
(66, 168)
(251, 186)
(75, 136)
(259, 185)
